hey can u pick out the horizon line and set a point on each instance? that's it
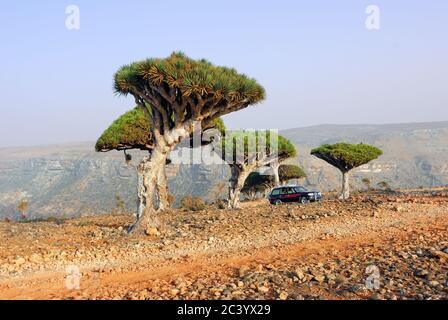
(74, 142)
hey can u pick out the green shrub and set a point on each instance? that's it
(192, 203)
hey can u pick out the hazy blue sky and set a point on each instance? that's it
(317, 61)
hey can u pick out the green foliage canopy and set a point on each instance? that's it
(248, 146)
(289, 172)
(132, 131)
(257, 182)
(346, 156)
(179, 88)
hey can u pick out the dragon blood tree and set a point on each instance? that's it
(257, 183)
(245, 151)
(289, 172)
(178, 94)
(345, 157)
(288, 151)
(132, 131)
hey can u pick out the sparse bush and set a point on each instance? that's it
(120, 204)
(221, 204)
(171, 199)
(52, 219)
(367, 183)
(23, 208)
(384, 185)
(192, 203)
(55, 220)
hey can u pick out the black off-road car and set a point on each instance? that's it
(293, 194)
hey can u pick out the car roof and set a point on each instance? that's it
(289, 186)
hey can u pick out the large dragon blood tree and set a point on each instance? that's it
(178, 94)
(132, 131)
(245, 151)
(345, 157)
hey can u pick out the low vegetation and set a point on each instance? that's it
(191, 203)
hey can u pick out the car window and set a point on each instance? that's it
(291, 190)
(275, 192)
(300, 189)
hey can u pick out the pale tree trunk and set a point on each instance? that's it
(162, 190)
(151, 180)
(275, 167)
(141, 190)
(239, 176)
(345, 194)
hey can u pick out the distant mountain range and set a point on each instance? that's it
(73, 180)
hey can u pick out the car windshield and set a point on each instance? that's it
(300, 189)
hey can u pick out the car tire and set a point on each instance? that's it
(277, 202)
(304, 200)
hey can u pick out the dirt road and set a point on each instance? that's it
(372, 247)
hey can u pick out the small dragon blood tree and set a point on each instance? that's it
(345, 157)
(245, 151)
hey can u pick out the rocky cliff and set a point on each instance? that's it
(73, 180)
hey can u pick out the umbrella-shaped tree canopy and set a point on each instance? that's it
(346, 156)
(180, 88)
(247, 150)
(132, 130)
(246, 147)
(176, 93)
(290, 172)
(257, 182)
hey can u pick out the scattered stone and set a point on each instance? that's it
(152, 231)
(358, 288)
(19, 261)
(243, 271)
(263, 289)
(319, 278)
(299, 273)
(376, 296)
(283, 296)
(421, 273)
(410, 256)
(174, 292)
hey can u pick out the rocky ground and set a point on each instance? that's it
(372, 247)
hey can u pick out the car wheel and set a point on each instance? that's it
(304, 200)
(278, 202)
